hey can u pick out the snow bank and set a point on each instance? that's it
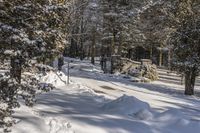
(57, 79)
(129, 105)
(174, 121)
(85, 91)
(143, 114)
(170, 116)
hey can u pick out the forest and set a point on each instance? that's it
(138, 43)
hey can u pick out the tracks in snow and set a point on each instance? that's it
(55, 124)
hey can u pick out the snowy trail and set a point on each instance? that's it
(161, 96)
(157, 100)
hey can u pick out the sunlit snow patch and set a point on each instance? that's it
(129, 105)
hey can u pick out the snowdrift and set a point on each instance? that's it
(174, 121)
(129, 105)
(57, 79)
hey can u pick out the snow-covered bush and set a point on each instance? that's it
(128, 64)
(147, 71)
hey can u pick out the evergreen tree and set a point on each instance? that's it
(31, 32)
(177, 23)
(186, 48)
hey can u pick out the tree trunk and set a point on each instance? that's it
(60, 62)
(151, 52)
(93, 49)
(112, 52)
(16, 68)
(119, 51)
(81, 39)
(160, 58)
(190, 77)
(89, 52)
(169, 59)
(81, 51)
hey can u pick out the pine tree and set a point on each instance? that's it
(31, 32)
(120, 31)
(186, 50)
(177, 24)
(185, 40)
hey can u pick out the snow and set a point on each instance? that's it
(3, 106)
(125, 105)
(55, 78)
(105, 103)
(58, 126)
(143, 114)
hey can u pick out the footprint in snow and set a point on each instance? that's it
(57, 125)
(38, 113)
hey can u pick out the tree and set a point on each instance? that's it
(120, 30)
(181, 34)
(186, 51)
(31, 32)
(93, 16)
(184, 40)
(77, 28)
(154, 23)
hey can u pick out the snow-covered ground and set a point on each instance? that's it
(104, 103)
